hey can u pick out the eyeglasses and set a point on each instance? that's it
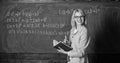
(78, 16)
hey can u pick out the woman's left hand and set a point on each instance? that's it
(62, 51)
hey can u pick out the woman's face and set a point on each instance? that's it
(78, 18)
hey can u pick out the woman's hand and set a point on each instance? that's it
(55, 42)
(62, 51)
(65, 39)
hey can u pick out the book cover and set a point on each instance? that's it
(63, 46)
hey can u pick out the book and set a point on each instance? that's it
(63, 46)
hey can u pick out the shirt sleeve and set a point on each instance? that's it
(80, 47)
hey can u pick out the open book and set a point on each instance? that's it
(63, 46)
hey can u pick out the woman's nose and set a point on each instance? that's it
(78, 19)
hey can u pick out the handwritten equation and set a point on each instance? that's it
(34, 20)
(90, 10)
(37, 31)
(29, 21)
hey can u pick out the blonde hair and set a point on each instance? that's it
(72, 18)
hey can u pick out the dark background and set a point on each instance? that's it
(42, 42)
(103, 28)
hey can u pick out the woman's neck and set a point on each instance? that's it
(78, 26)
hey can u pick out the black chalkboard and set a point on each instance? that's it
(32, 27)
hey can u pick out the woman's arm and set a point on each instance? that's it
(75, 53)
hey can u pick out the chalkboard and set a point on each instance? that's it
(32, 27)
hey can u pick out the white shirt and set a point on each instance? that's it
(79, 40)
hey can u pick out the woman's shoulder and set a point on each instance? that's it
(72, 29)
(84, 28)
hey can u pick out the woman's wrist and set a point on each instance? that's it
(68, 53)
(65, 53)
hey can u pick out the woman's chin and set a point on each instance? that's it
(79, 23)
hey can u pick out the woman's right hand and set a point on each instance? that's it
(55, 42)
(65, 39)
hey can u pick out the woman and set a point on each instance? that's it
(78, 38)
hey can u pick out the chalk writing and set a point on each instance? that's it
(10, 26)
(35, 25)
(53, 25)
(33, 20)
(22, 13)
(90, 10)
(26, 20)
(93, 9)
(36, 31)
(65, 11)
(29, 11)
